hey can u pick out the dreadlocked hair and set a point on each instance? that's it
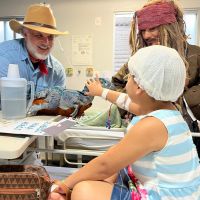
(171, 35)
(132, 36)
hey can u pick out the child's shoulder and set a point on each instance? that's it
(149, 131)
(160, 114)
(164, 113)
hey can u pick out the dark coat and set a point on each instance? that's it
(191, 93)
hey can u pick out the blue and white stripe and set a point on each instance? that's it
(173, 173)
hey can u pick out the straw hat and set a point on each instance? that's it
(39, 17)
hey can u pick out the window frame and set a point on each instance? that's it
(197, 24)
(6, 19)
(130, 13)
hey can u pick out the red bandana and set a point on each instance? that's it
(41, 63)
(155, 15)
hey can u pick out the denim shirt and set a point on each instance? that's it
(15, 52)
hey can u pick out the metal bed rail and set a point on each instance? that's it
(90, 151)
(94, 150)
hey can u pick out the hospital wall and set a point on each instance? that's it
(80, 17)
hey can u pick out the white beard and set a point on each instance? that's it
(34, 52)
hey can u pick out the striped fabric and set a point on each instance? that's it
(174, 172)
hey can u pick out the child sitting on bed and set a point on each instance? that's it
(157, 158)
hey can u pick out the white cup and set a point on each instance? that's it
(13, 71)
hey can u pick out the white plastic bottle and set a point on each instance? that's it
(14, 94)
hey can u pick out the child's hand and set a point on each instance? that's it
(59, 191)
(57, 187)
(94, 86)
(56, 196)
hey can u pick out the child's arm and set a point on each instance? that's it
(120, 99)
(146, 136)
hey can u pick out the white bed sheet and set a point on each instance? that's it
(59, 173)
(88, 137)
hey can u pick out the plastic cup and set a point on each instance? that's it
(13, 71)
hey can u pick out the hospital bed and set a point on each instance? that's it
(79, 141)
(85, 140)
(89, 141)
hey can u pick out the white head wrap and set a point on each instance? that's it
(160, 71)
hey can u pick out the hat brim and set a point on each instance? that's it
(17, 27)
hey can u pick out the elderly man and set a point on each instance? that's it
(32, 52)
(161, 22)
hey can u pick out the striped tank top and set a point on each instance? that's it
(172, 173)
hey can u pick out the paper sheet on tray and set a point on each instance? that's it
(36, 125)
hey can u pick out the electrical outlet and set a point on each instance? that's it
(69, 71)
(89, 71)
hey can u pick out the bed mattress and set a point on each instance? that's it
(90, 137)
